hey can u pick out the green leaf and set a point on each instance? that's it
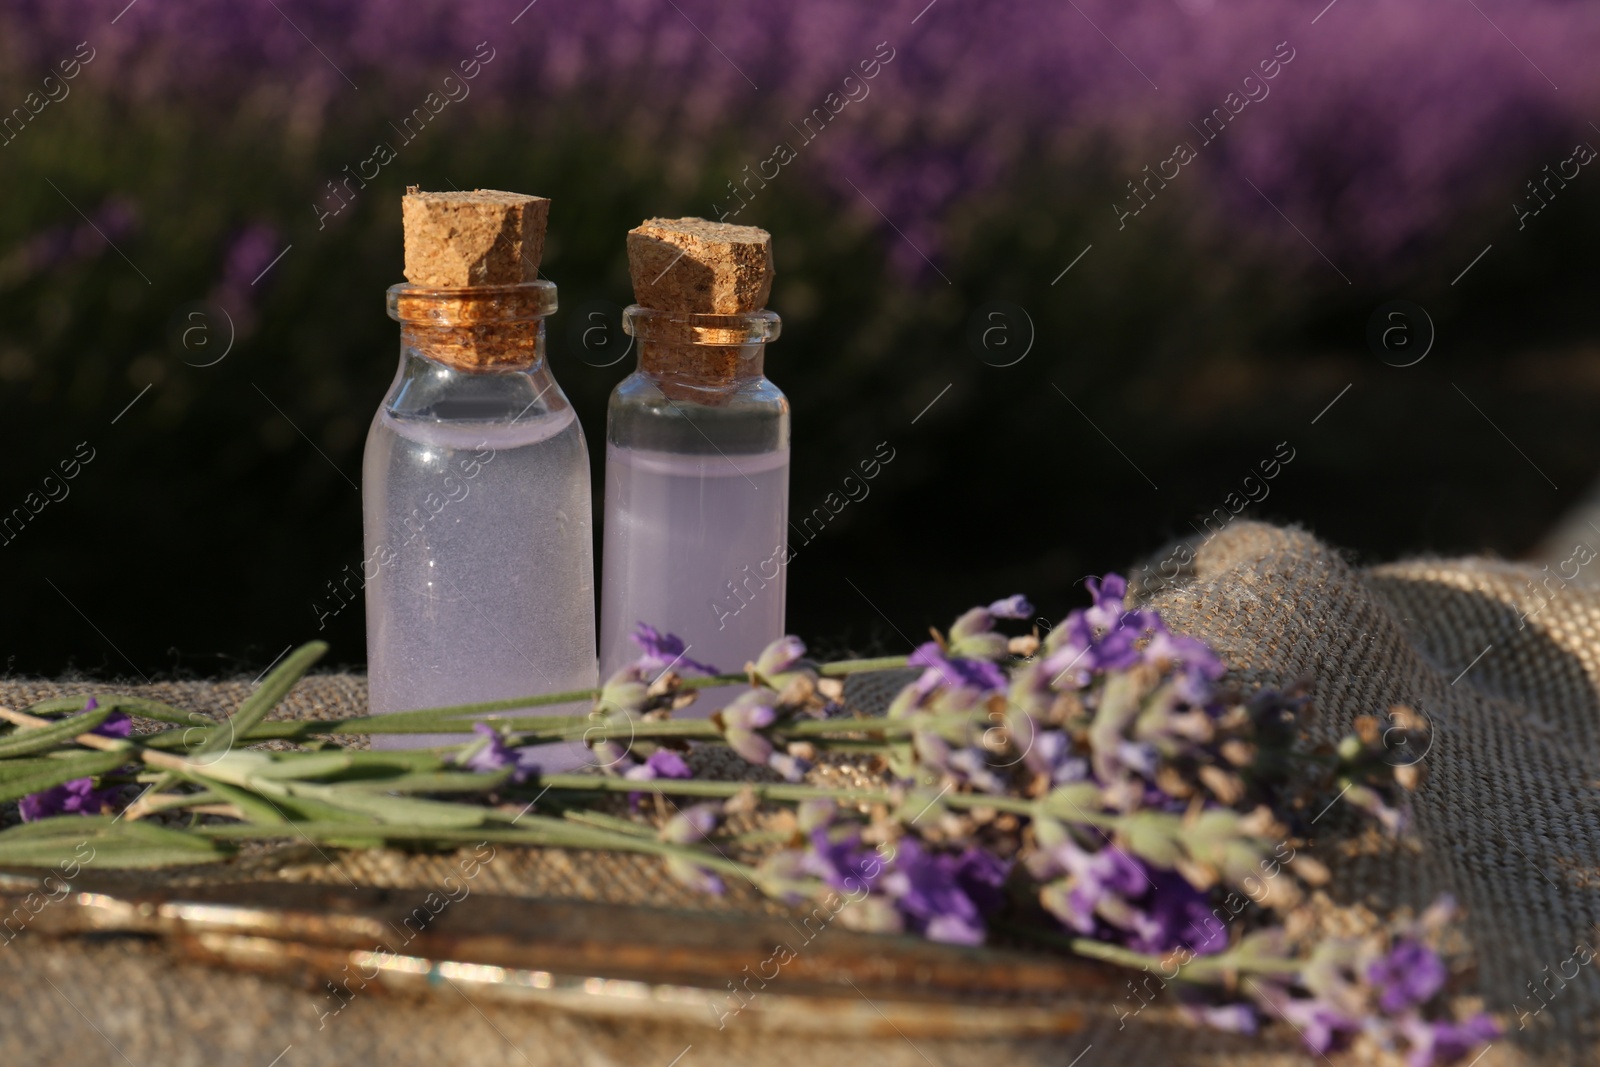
(102, 841)
(154, 709)
(141, 706)
(22, 766)
(50, 773)
(256, 809)
(304, 765)
(267, 695)
(73, 826)
(43, 738)
(56, 705)
(434, 782)
(390, 809)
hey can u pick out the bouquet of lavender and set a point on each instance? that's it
(1095, 790)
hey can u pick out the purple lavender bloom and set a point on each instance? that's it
(1375, 137)
(249, 253)
(1086, 653)
(1096, 883)
(1196, 667)
(1015, 606)
(971, 766)
(687, 827)
(781, 656)
(928, 891)
(837, 856)
(1320, 1024)
(1175, 913)
(663, 651)
(1230, 1018)
(1410, 974)
(977, 674)
(64, 245)
(496, 756)
(749, 712)
(1107, 594)
(663, 763)
(1446, 1042)
(1051, 754)
(793, 768)
(116, 725)
(982, 876)
(77, 797)
(692, 824)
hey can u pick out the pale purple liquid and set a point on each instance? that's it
(489, 593)
(695, 545)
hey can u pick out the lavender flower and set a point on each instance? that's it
(664, 651)
(941, 895)
(837, 856)
(1446, 1041)
(1015, 606)
(793, 768)
(1050, 754)
(782, 666)
(977, 674)
(1229, 1018)
(493, 755)
(1097, 885)
(1410, 974)
(625, 692)
(1319, 1023)
(250, 252)
(1112, 895)
(76, 797)
(687, 827)
(1374, 136)
(1389, 995)
(781, 656)
(749, 712)
(934, 891)
(662, 763)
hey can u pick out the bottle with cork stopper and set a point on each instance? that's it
(479, 559)
(697, 452)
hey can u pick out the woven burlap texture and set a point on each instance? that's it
(1504, 664)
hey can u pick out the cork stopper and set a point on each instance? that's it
(693, 267)
(486, 237)
(701, 267)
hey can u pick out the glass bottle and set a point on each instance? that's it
(479, 559)
(697, 491)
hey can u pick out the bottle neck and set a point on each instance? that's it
(696, 353)
(705, 366)
(485, 329)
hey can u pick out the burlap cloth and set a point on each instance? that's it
(1509, 823)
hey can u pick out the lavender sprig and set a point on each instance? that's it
(1096, 785)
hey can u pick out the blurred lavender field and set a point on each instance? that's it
(222, 161)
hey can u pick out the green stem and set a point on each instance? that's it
(607, 822)
(784, 792)
(694, 787)
(531, 830)
(861, 666)
(430, 720)
(1200, 969)
(177, 801)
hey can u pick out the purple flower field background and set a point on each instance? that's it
(220, 158)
